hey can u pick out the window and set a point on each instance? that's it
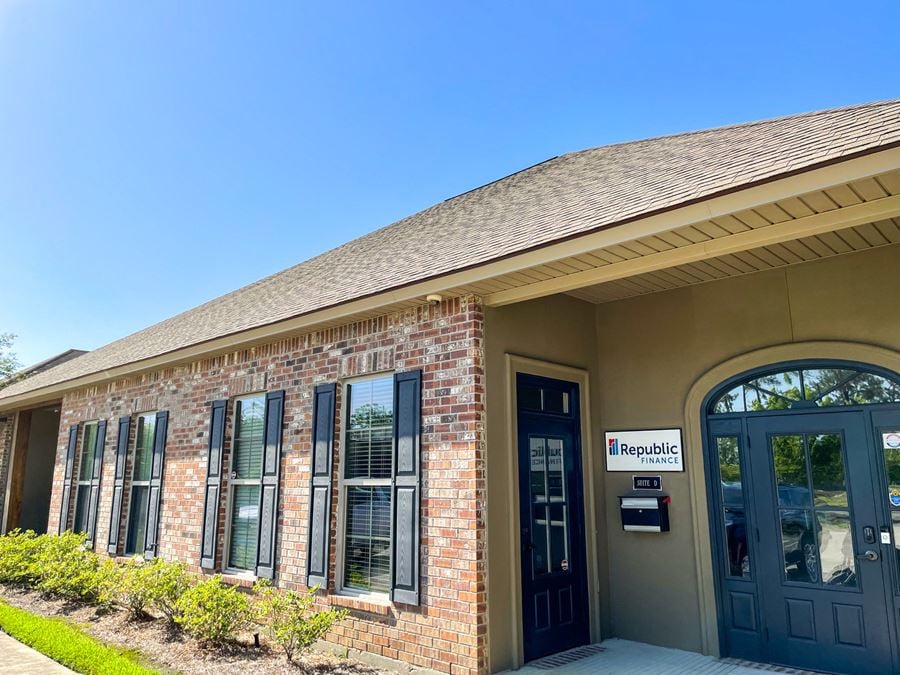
(808, 388)
(85, 472)
(244, 482)
(366, 485)
(140, 484)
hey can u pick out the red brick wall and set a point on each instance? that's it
(448, 631)
(7, 424)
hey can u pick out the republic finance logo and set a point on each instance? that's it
(613, 446)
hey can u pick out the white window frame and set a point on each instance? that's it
(343, 484)
(139, 483)
(226, 544)
(78, 483)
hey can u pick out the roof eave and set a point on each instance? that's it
(738, 198)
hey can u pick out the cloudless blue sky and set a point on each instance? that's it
(154, 155)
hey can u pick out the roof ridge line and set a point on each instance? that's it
(735, 125)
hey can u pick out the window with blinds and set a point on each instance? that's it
(85, 470)
(139, 503)
(244, 482)
(366, 480)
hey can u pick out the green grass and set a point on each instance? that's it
(66, 644)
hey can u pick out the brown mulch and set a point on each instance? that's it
(172, 652)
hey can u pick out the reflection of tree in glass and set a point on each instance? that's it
(371, 415)
(823, 387)
(729, 459)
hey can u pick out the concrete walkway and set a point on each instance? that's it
(621, 657)
(17, 658)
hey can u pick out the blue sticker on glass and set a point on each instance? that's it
(895, 497)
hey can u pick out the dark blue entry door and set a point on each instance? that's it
(823, 582)
(554, 574)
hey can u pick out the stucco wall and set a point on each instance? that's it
(652, 349)
(559, 329)
(643, 356)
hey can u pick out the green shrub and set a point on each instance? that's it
(155, 584)
(286, 617)
(212, 612)
(166, 582)
(63, 568)
(18, 554)
(134, 592)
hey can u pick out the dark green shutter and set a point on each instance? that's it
(209, 535)
(406, 497)
(67, 478)
(96, 472)
(319, 529)
(268, 492)
(115, 514)
(157, 468)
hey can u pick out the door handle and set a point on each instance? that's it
(869, 555)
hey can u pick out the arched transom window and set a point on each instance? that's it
(813, 387)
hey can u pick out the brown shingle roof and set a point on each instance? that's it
(563, 197)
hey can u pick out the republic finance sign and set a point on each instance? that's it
(657, 449)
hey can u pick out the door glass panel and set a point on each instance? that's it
(798, 543)
(812, 387)
(539, 554)
(538, 470)
(816, 537)
(890, 442)
(790, 471)
(556, 401)
(836, 548)
(827, 464)
(733, 507)
(559, 538)
(895, 523)
(556, 484)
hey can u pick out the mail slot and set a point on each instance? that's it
(645, 514)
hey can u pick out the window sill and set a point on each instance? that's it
(122, 559)
(379, 606)
(241, 580)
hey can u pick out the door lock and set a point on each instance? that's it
(869, 534)
(869, 555)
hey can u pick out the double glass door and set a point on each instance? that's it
(823, 575)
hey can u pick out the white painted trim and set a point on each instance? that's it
(696, 470)
(229, 499)
(371, 596)
(774, 190)
(520, 364)
(131, 482)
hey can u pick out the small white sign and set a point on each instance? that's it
(891, 440)
(656, 449)
(885, 537)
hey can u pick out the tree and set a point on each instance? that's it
(9, 364)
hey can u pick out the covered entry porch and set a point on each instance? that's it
(29, 460)
(648, 325)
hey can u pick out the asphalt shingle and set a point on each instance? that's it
(567, 196)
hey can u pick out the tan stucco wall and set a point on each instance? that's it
(643, 356)
(653, 348)
(561, 330)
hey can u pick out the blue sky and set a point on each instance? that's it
(154, 155)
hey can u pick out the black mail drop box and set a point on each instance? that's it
(645, 514)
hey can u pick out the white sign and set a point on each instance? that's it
(891, 440)
(656, 449)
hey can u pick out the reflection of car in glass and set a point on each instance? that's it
(801, 558)
(735, 529)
